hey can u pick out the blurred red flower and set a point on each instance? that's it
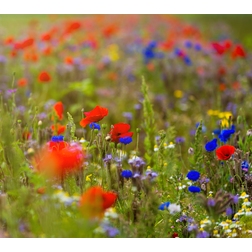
(60, 129)
(22, 82)
(120, 130)
(225, 152)
(58, 108)
(94, 116)
(175, 235)
(95, 201)
(44, 77)
(57, 159)
(238, 52)
(69, 60)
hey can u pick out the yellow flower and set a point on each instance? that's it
(210, 195)
(171, 143)
(243, 194)
(234, 230)
(149, 166)
(226, 227)
(165, 144)
(243, 207)
(155, 146)
(168, 196)
(228, 221)
(210, 112)
(246, 200)
(215, 232)
(201, 229)
(236, 216)
(30, 151)
(178, 93)
(165, 164)
(88, 177)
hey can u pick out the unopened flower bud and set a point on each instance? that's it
(190, 151)
(19, 121)
(239, 119)
(104, 125)
(112, 145)
(39, 123)
(12, 131)
(138, 130)
(119, 146)
(96, 131)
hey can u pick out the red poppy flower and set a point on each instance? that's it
(238, 52)
(26, 135)
(22, 82)
(41, 190)
(225, 152)
(58, 108)
(46, 37)
(94, 116)
(59, 129)
(58, 159)
(69, 60)
(44, 77)
(218, 48)
(120, 130)
(9, 40)
(175, 235)
(95, 201)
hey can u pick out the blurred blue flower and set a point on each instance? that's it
(127, 174)
(57, 139)
(125, 140)
(188, 44)
(226, 134)
(211, 146)
(193, 175)
(202, 234)
(211, 202)
(197, 47)
(187, 61)
(229, 211)
(94, 126)
(216, 131)
(164, 206)
(194, 189)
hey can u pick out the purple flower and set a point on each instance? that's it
(203, 234)
(235, 199)
(211, 202)
(12, 90)
(180, 139)
(229, 211)
(192, 227)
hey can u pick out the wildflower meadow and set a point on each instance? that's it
(124, 126)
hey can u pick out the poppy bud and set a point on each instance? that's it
(104, 126)
(112, 145)
(239, 119)
(19, 121)
(96, 131)
(119, 146)
(138, 130)
(12, 131)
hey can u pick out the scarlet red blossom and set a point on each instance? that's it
(94, 116)
(225, 152)
(44, 77)
(22, 82)
(238, 52)
(175, 235)
(218, 48)
(120, 130)
(58, 108)
(69, 60)
(26, 135)
(95, 201)
(60, 129)
(58, 159)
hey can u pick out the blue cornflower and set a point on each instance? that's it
(188, 44)
(229, 211)
(127, 174)
(164, 206)
(125, 140)
(57, 139)
(216, 131)
(152, 44)
(197, 47)
(193, 175)
(211, 146)
(187, 61)
(194, 189)
(245, 166)
(94, 126)
(226, 134)
(211, 202)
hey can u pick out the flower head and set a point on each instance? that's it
(225, 152)
(95, 201)
(125, 140)
(127, 174)
(94, 126)
(164, 206)
(193, 175)
(97, 114)
(211, 146)
(44, 77)
(194, 189)
(58, 108)
(120, 130)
